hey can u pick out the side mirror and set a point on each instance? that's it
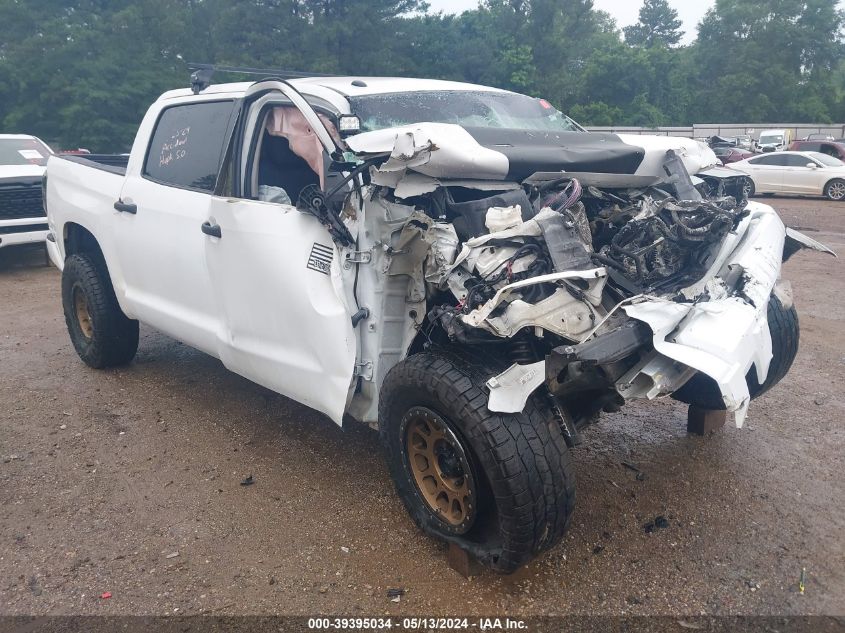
(348, 124)
(812, 166)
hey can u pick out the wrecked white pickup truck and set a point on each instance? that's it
(463, 267)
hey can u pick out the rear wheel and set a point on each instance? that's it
(498, 485)
(835, 190)
(101, 334)
(701, 390)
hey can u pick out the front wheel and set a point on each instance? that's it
(101, 334)
(498, 485)
(835, 190)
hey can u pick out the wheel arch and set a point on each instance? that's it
(78, 239)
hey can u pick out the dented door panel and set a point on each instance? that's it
(283, 324)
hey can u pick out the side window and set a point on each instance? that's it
(188, 145)
(771, 159)
(763, 160)
(796, 160)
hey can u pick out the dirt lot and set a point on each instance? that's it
(128, 482)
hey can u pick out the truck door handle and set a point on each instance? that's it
(125, 207)
(212, 229)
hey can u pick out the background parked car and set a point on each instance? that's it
(722, 141)
(731, 154)
(744, 141)
(818, 137)
(22, 162)
(795, 172)
(831, 148)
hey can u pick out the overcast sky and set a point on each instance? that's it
(625, 11)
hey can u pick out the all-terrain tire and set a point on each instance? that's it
(835, 190)
(101, 334)
(520, 462)
(701, 391)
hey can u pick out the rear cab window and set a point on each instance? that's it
(188, 145)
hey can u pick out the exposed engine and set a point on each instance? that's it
(536, 269)
(602, 287)
(566, 250)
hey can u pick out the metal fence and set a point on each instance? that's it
(706, 130)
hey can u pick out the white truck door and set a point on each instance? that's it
(283, 324)
(158, 230)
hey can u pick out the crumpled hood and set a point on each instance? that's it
(447, 151)
(696, 156)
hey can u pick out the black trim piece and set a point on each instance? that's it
(125, 207)
(25, 228)
(87, 162)
(24, 181)
(21, 199)
(211, 229)
(530, 151)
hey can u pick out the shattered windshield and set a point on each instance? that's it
(466, 108)
(28, 151)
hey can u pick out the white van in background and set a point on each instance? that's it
(774, 140)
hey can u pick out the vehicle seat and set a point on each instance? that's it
(280, 167)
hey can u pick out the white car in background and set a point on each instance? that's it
(23, 160)
(810, 173)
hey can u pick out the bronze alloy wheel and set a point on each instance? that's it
(83, 316)
(440, 469)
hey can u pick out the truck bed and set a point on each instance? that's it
(84, 190)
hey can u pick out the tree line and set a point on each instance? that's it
(82, 72)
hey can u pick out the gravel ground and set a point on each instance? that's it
(128, 482)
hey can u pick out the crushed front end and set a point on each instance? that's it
(599, 288)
